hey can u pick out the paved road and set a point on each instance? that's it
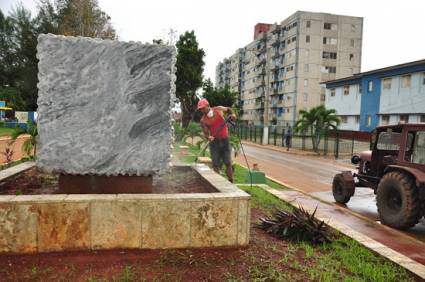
(307, 173)
(314, 175)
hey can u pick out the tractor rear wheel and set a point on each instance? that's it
(340, 189)
(398, 201)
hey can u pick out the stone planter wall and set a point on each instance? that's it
(45, 223)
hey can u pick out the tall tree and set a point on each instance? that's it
(190, 66)
(218, 96)
(24, 38)
(18, 42)
(7, 54)
(318, 121)
(83, 18)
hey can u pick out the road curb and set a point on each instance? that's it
(373, 245)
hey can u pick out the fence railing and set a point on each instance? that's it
(330, 144)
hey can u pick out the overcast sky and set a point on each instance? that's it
(393, 29)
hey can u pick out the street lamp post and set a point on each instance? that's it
(266, 102)
(266, 95)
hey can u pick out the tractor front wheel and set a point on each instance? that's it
(398, 200)
(342, 190)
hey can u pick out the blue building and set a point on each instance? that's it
(379, 97)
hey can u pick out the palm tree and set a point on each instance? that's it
(30, 145)
(317, 121)
(193, 130)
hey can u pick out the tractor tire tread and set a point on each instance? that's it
(412, 212)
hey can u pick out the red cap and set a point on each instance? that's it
(202, 104)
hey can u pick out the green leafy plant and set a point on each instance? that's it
(30, 145)
(235, 144)
(297, 225)
(179, 132)
(193, 130)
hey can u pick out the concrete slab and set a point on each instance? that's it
(14, 170)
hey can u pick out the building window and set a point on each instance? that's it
(368, 121)
(352, 42)
(330, 40)
(346, 89)
(422, 118)
(330, 26)
(322, 98)
(423, 78)
(385, 120)
(360, 88)
(332, 92)
(307, 38)
(305, 82)
(370, 86)
(326, 69)
(344, 119)
(308, 24)
(357, 119)
(306, 68)
(307, 53)
(405, 81)
(386, 83)
(329, 55)
(353, 28)
(404, 118)
(351, 57)
(305, 96)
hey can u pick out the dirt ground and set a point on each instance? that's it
(30, 182)
(34, 182)
(265, 259)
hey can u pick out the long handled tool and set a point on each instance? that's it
(227, 120)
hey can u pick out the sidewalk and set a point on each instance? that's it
(293, 151)
(344, 158)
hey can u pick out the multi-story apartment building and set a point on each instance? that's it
(379, 97)
(222, 74)
(279, 72)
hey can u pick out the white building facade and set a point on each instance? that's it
(379, 97)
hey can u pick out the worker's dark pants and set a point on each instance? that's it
(220, 152)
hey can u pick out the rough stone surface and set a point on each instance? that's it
(243, 222)
(214, 223)
(115, 225)
(166, 224)
(63, 226)
(18, 228)
(104, 106)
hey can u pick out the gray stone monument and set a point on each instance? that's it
(104, 107)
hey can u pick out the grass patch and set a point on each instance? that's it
(192, 153)
(264, 200)
(6, 131)
(239, 174)
(240, 177)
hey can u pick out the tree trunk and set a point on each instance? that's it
(186, 113)
(186, 118)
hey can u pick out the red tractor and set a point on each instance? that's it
(395, 169)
